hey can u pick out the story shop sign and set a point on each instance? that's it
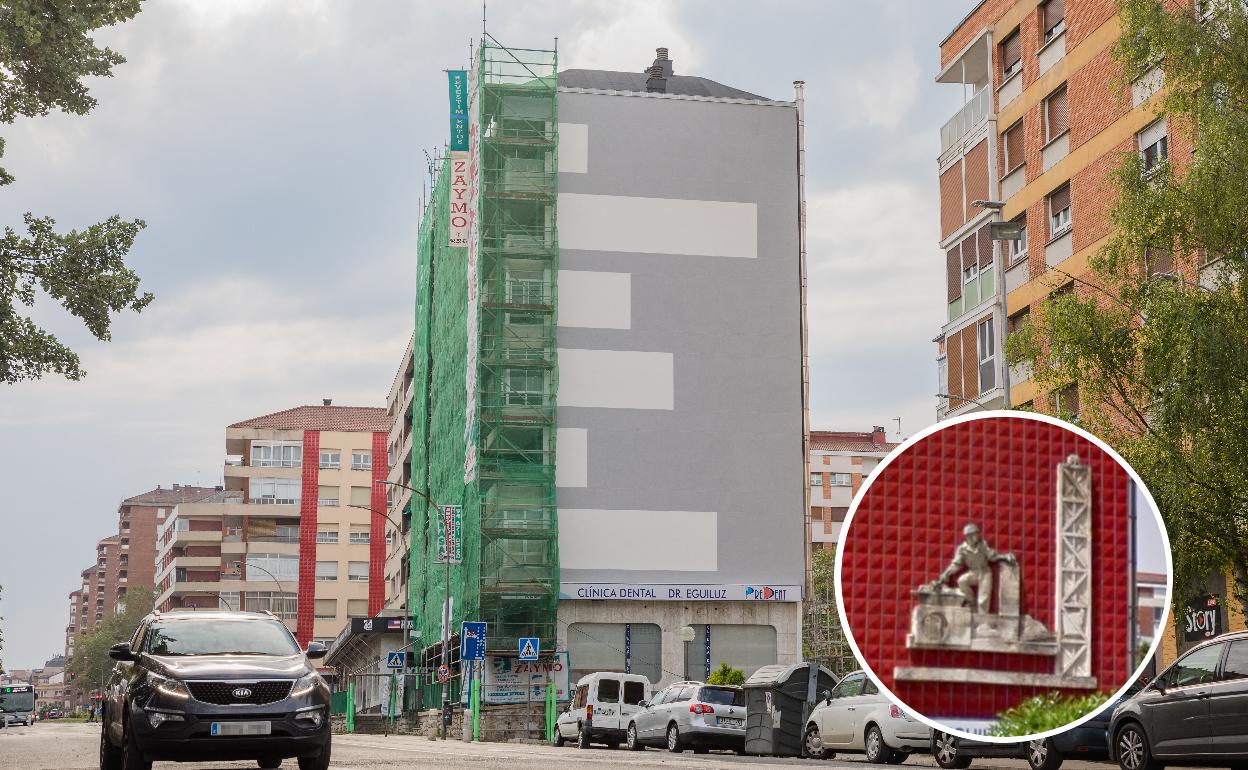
(695, 592)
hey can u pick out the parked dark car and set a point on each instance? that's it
(1088, 741)
(194, 685)
(1195, 712)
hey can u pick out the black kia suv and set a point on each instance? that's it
(197, 685)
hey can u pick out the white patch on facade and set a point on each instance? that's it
(571, 457)
(616, 379)
(573, 148)
(658, 225)
(593, 300)
(685, 541)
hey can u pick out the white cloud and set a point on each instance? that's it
(876, 93)
(621, 35)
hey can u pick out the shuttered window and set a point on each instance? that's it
(1053, 17)
(1013, 146)
(953, 271)
(1011, 55)
(1059, 210)
(1056, 115)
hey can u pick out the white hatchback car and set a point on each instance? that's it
(856, 717)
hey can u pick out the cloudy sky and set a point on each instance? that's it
(275, 150)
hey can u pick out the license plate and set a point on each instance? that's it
(730, 722)
(242, 728)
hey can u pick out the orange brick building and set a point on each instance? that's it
(1042, 126)
(839, 461)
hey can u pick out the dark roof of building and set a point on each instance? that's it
(684, 85)
(351, 419)
(848, 441)
(178, 493)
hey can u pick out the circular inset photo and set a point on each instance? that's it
(989, 577)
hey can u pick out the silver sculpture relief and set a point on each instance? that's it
(962, 617)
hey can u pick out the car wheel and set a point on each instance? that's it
(674, 742)
(559, 739)
(110, 755)
(812, 744)
(631, 740)
(1042, 756)
(898, 757)
(1131, 747)
(269, 763)
(319, 762)
(876, 750)
(131, 756)
(945, 752)
(582, 738)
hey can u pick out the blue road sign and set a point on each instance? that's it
(528, 647)
(396, 659)
(472, 641)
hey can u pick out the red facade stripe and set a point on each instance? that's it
(306, 605)
(999, 473)
(377, 538)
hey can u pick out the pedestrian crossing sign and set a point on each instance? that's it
(395, 659)
(528, 647)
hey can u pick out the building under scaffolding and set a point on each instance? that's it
(659, 347)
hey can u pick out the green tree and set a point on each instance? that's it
(726, 674)
(1156, 334)
(823, 640)
(90, 665)
(45, 52)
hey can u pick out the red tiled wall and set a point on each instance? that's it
(306, 604)
(999, 473)
(377, 538)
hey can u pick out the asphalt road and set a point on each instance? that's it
(53, 746)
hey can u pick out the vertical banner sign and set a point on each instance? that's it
(474, 246)
(450, 534)
(708, 650)
(458, 214)
(628, 648)
(458, 92)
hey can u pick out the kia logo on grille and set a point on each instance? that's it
(242, 692)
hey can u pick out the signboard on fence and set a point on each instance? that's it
(508, 680)
(451, 534)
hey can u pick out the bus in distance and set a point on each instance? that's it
(17, 703)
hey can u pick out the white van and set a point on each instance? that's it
(602, 706)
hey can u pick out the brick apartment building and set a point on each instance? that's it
(1041, 128)
(839, 461)
(292, 531)
(399, 496)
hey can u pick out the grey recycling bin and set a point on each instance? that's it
(777, 701)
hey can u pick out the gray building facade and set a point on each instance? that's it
(681, 476)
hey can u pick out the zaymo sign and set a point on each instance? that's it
(458, 214)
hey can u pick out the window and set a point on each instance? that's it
(1154, 147)
(280, 604)
(1020, 320)
(816, 479)
(526, 287)
(1011, 56)
(849, 687)
(326, 609)
(327, 495)
(326, 570)
(747, 647)
(1053, 18)
(1236, 661)
(357, 571)
(228, 600)
(276, 454)
(274, 491)
(608, 690)
(277, 566)
(1018, 248)
(286, 533)
(330, 459)
(839, 479)
(525, 387)
(682, 694)
(361, 461)
(328, 536)
(358, 536)
(1197, 667)
(986, 337)
(1067, 402)
(970, 272)
(1014, 148)
(600, 647)
(357, 608)
(362, 496)
(1059, 211)
(1056, 114)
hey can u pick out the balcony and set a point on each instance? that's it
(971, 116)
